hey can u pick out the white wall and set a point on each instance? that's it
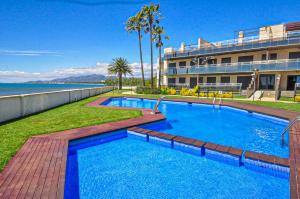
(12, 107)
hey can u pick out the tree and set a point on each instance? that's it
(152, 17)
(158, 38)
(119, 67)
(136, 24)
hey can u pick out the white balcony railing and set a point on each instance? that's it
(270, 65)
(233, 45)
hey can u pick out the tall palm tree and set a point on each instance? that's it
(158, 38)
(152, 17)
(136, 24)
(119, 67)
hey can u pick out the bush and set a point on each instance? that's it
(147, 90)
(297, 98)
(171, 91)
(185, 92)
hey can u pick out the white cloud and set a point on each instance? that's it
(28, 52)
(100, 68)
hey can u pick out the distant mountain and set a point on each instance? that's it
(76, 79)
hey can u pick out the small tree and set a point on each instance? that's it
(158, 38)
(119, 67)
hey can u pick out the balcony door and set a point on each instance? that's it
(193, 82)
(266, 82)
(244, 80)
(291, 81)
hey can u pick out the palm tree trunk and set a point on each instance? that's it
(159, 69)
(151, 55)
(120, 81)
(141, 57)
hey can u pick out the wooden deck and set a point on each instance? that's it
(38, 169)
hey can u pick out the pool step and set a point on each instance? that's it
(255, 161)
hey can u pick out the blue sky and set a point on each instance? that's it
(52, 38)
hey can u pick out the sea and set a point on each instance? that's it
(7, 89)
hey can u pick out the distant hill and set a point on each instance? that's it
(76, 79)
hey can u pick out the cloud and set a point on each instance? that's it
(99, 68)
(28, 52)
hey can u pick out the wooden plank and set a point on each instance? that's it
(61, 181)
(42, 177)
(30, 189)
(27, 179)
(16, 173)
(50, 173)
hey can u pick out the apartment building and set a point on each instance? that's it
(267, 57)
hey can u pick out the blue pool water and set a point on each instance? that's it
(26, 88)
(225, 125)
(128, 168)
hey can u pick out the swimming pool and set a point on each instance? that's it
(116, 166)
(225, 125)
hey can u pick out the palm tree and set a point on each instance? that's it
(152, 17)
(158, 38)
(119, 67)
(136, 24)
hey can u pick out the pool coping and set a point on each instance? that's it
(38, 168)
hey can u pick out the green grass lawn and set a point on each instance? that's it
(14, 134)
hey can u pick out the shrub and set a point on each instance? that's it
(164, 91)
(171, 91)
(184, 92)
(297, 98)
(147, 90)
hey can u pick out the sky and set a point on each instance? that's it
(47, 39)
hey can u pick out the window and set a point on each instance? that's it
(266, 82)
(192, 63)
(182, 64)
(273, 56)
(292, 80)
(200, 80)
(212, 61)
(245, 59)
(193, 82)
(171, 80)
(226, 60)
(225, 79)
(172, 65)
(211, 80)
(245, 80)
(294, 55)
(182, 80)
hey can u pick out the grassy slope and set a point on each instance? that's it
(14, 134)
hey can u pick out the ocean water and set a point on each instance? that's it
(225, 125)
(26, 88)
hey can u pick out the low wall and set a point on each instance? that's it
(12, 107)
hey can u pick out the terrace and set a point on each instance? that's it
(234, 45)
(243, 67)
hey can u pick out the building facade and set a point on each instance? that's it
(268, 56)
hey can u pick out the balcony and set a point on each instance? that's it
(231, 46)
(246, 67)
